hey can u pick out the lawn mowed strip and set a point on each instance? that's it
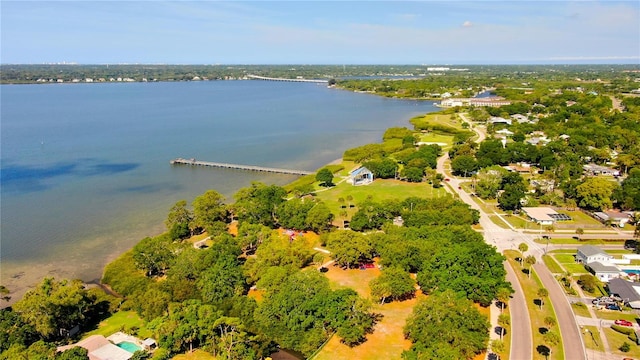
(552, 265)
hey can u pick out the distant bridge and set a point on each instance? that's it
(194, 162)
(318, 81)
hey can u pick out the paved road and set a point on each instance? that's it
(521, 337)
(505, 239)
(571, 337)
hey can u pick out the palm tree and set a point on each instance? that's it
(523, 247)
(530, 260)
(503, 295)
(542, 294)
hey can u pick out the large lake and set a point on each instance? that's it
(85, 168)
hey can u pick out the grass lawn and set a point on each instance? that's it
(437, 138)
(592, 338)
(553, 266)
(537, 314)
(378, 190)
(195, 355)
(616, 340)
(563, 251)
(615, 315)
(387, 340)
(120, 321)
(565, 258)
(578, 217)
(517, 221)
(580, 310)
(567, 261)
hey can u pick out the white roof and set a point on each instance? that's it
(540, 213)
(110, 352)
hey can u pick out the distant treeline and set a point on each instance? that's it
(18, 73)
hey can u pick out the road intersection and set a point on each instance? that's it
(508, 239)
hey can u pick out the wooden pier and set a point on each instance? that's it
(194, 162)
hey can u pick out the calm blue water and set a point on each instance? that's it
(85, 167)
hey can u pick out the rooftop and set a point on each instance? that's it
(602, 268)
(624, 289)
(590, 250)
(540, 213)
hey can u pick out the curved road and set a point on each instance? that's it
(505, 239)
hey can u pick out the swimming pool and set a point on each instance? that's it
(129, 346)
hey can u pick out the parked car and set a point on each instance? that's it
(623, 322)
(613, 307)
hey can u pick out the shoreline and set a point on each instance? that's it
(21, 276)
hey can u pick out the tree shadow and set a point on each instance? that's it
(543, 350)
(537, 302)
(525, 271)
(543, 330)
(500, 329)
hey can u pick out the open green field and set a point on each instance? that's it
(381, 189)
(437, 138)
(537, 314)
(121, 321)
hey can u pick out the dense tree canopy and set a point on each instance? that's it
(446, 326)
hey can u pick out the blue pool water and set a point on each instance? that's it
(129, 346)
(636, 272)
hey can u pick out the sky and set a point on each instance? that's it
(319, 32)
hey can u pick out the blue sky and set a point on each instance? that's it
(320, 32)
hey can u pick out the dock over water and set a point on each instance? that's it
(194, 162)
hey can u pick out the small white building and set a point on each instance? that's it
(588, 253)
(540, 215)
(604, 272)
(361, 176)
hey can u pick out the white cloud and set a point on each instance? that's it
(467, 24)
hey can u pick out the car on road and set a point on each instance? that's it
(623, 322)
(447, 179)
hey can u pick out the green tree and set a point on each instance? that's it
(446, 324)
(530, 260)
(393, 284)
(325, 177)
(178, 220)
(464, 165)
(412, 174)
(552, 339)
(625, 347)
(503, 295)
(75, 353)
(349, 248)
(319, 218)
(523, 247)
(473, 268)
(504, 321)
(154, 255)
(498, 346)
(595, 193)
(257, 204)
(209, 209)
(550, 321)
(542, 295)
(55, 305)
(510, 198)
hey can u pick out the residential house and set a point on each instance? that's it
(588, 253)
(628, 291)
(604, 272)
(615, 218)
(594, 170)
(361, 176)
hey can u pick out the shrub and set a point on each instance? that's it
(630, 332)
(625, 347)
